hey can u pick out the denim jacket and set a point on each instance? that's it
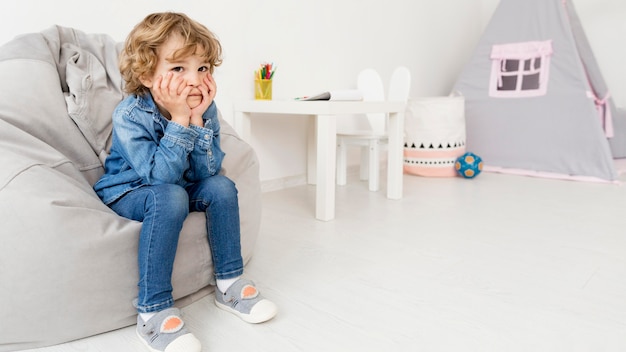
(147, 149)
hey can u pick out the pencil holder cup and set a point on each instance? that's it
(263, 89)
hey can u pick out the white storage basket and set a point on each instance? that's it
(434, 135)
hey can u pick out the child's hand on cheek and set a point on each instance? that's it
(208, 89)
(211, 86)
(171, 94)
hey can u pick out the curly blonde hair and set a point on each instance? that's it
(139, 56)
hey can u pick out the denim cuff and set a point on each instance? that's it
(181, 135)
(204, 137)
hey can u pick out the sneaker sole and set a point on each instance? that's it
(185, 343)
(263, 311)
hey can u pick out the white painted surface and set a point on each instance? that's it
(497, 263)
(322, 45)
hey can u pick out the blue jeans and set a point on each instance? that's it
(163, 209)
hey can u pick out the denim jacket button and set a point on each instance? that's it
(206, 137)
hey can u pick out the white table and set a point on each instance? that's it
(322, 146)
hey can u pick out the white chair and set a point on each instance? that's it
(399, 85)
(374, 138)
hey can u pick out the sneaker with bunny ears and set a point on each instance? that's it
(244, 300)
(166, 332)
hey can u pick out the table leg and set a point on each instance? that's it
(326, 129)
(394, 159)
(311, 150)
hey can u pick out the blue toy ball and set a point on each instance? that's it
(469, 165)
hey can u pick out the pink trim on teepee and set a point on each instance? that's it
(522, 51)
(541, 174)
(604, 112)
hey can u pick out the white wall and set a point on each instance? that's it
(321, 45)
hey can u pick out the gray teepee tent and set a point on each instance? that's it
(536, 102)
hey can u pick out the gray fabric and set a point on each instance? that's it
(560, 132)
(153, 336)
(251, 307)
(67, 262)
(590, 64)
(618, 142)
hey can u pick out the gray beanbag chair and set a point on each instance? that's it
(67, 262)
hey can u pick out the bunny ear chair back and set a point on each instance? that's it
(373, 139)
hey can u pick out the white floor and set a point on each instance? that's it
(497, 263)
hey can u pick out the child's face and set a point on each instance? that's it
(191, 69)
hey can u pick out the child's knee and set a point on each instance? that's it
(217, 190)
(171, 197)
(227, 189)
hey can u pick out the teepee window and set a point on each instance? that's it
(520, 69)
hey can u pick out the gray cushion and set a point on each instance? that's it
(67, 262)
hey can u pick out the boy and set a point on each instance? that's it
(165, 162)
